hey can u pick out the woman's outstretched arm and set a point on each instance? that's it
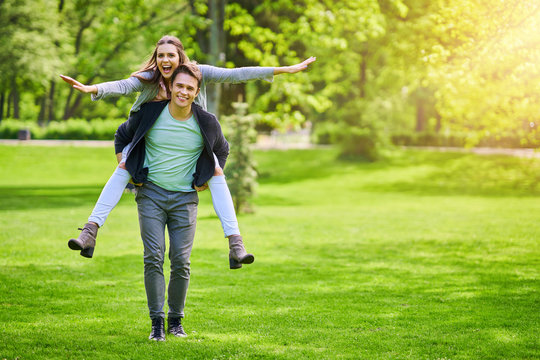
(112, 88)
(213, 74)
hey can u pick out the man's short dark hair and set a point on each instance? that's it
(189, 68)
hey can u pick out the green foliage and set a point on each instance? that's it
(514, 139)
(486, 65)
(359, 142)
(392, 66)
(9, 128)
(72, 129)
(28, 33)
(240, 169)
(428, 138)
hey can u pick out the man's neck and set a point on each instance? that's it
(179, 113)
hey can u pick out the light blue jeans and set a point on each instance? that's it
(178, 212)
(111, 193)
(113, 190)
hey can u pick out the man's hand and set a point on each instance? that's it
(201, 188)
(79, 86)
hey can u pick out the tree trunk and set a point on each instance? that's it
(438, 125)
(200, 34)
(217, 55)
(8, 103)
(42, 106)
(50, 102)
(16, 99)
(363, 71)
(2, 99)
(420, 115)
(70, 110)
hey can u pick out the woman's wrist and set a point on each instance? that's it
(281, 70)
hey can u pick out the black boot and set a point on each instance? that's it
(158, 330)
(175, 327)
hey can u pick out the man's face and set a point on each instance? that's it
(184, 89)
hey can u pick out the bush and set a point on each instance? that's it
(428, 138)
(325, 133)
(362, 142)
(9, 128)
(456, 139)
(72, 129)
(240, 169)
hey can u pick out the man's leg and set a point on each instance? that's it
(151, 200)
(181, 225)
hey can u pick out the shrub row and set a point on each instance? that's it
(364, 140)
(72, 129)
(514, 141)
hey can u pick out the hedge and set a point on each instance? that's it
(72, 129)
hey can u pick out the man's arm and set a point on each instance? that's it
(126, 131)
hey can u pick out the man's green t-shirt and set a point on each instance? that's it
(172, 150)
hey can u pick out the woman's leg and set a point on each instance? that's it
(109, 197)
(223, 203)
(224, 208)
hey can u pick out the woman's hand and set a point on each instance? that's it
(78, 86)
(202, 188)
(294, 68)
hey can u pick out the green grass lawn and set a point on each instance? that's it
(420, 256)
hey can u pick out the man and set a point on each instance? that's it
(172, 156)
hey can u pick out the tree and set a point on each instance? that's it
(27, 50)
(240, 168)
(486, 67)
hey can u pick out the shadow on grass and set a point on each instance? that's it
(432, 173)
(298, 165)
(43, 197)
(411, 171)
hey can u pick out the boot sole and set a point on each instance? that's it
(88, 252)
(248, 259)
(74, 245)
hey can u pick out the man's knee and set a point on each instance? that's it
(180, 267)
(122, 165)
(153, 258)
(218, 171)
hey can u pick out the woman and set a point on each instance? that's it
(152, 83)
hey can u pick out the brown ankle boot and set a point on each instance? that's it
(86, 242)
(237, 253)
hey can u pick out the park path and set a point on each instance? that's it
(268, 145)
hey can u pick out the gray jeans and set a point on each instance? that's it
(178, 211)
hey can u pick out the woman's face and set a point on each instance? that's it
(167, 59)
